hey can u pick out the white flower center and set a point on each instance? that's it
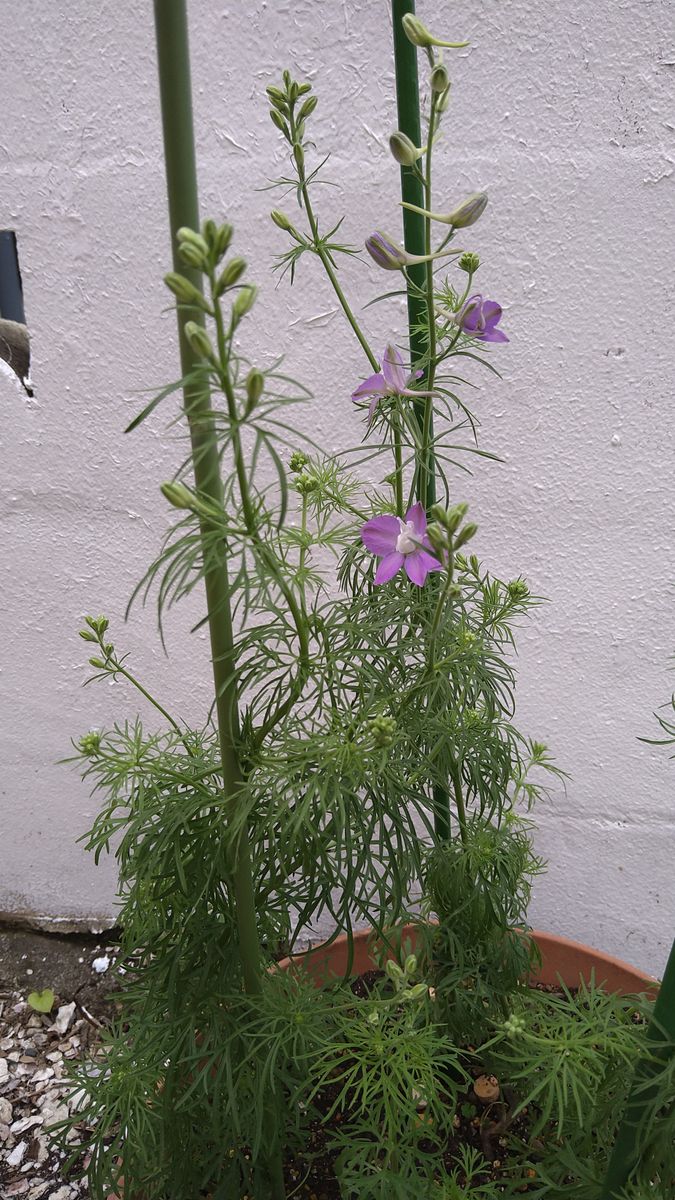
(407, 541)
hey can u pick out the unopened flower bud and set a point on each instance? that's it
(297, 461)
(230, 275)
(98, 663)
(439, 79)
(393, 971)
(223, 239)
(469, 262)
(514, 1025)
(437, 537)
(307, 108)
(465, 534)
(255, 383)
(468, 212)
(88, 636)
(90, 743)
(443, 100)
(190, 237)
(386, 252)
(276, 95)
(199, 340)
(419, 35)
(304, 88)
(191, 256)
(410, 965)
(210, 232)
(278, 120)
(98, 624)
(178, 495)
(280, 219)
(244, 301)
(186, 292)
(403, 149)
(299, 156)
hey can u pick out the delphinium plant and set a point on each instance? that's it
(360, 762)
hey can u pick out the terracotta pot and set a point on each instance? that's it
(561, 958)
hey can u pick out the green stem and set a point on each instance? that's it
(181, 181)
(661, 1048)
(118, 669)
(427, 480)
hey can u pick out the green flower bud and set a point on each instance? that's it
(449, 518)
(410, 965)
(98, 663)
(414, 993)
(187, 236)
(304, 88)
(90, 743)
(280, 219)
(419, 35)
(439, 79)
(178, 495)
(383, 730)
(223, 239)
(210, 232)
(297, 461)
(255, 383)
(199, 340)
(230, 275)
(186, 292)
(191, 256)
(469, 262)
(244, 301)
(276, 95)
(278, 120)
(454, 592)
(403, 149)
(437, 537)
(307, 108)
(443, 100)
(468, 212)
(465, 534)
(299, 156)
(88, 636)
(393, 971)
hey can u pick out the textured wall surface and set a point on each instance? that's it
(565, 113)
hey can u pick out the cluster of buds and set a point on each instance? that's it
(305, 483)
(90, 743)
(517, 590)
(469, 262)
(444, 531)
(514, 1025)
(298, 461)
(288, 120)
(95, 631)
(204, 250)
(402, 979)
(383, 730)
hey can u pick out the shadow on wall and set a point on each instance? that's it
(14, 338)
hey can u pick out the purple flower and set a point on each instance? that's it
(478, 317)
(390, 381)
(401, 544)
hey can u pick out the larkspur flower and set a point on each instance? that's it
(391, 380)
(401, 543)
(478, 317)
(391, 257)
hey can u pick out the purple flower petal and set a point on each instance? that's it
(393, 369)
(380, 534)
(373, 385)
(491, 313)
(431, 563)
(416, 568)
(418, 518)
(493, 335)
(389, 566)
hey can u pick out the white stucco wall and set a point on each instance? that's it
(565, 112)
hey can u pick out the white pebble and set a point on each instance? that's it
(6, 1112)
(100, 965)
(16, 1157)
(64, 1017)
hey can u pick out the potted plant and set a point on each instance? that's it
(360, 762)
